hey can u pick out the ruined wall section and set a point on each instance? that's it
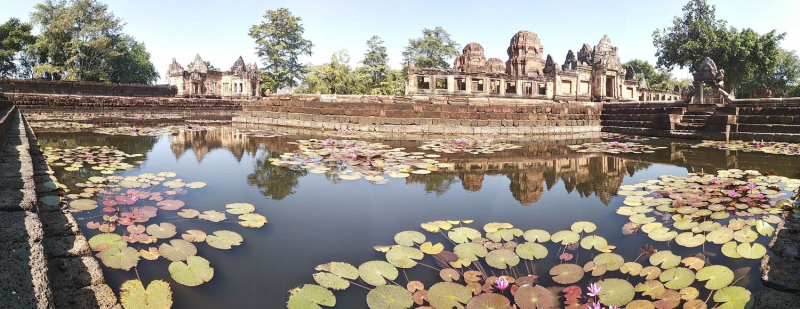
(40, 86)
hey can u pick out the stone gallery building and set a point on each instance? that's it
(241, 81)
(593, 74)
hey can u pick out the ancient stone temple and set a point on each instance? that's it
(240, 81)
(593, 74)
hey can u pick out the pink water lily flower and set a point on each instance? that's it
(714, 180)
(761, 196)
(594, 290)
(732, 193)
(751, 185)
(596, 305)
(502, 283)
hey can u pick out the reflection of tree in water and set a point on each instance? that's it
(128, 144)
(274, 181)
(437, 182)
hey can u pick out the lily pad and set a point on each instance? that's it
(213, 216)
(751, 251)
(448, 295)
(611, 261)
(565, 237)
(720, 235)
(105, 238)
(463, 234)
(375, 273)
(470, 250)
(716, 276)
(240, 208)
(389, 297)
(252, 220)
(531, 251)
(583, 226)
(594, 241)
(340, 269)
(194, 272)
(224, 239)
(502, 258)
(177, 250)
(566, 273)
(119, 257)
(488, 301)
(615, 292)
(403, 257)
(162, 231)
(331, 281)
(310, 296)
(729, 249)
(409, 238)
(534, 297)
(83, 204)
(133, 295)
(194, 236)
(536, 235)
(732, 297)
(665, 259)
(677, 278)
(690, 240)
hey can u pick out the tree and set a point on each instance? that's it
(336, 77)
(644, 69)
(274, 181)
(14, 37)
(783, 81)
(432, 51)
(375, 60)
(279, 42)
(133, 63)
(699, 34)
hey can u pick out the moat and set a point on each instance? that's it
(317, 213)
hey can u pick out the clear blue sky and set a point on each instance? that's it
(217, 30)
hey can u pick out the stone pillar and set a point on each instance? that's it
(698, 92)
(432, 83)
(468, 84)
(502, 86)
(451, 83)
(519, 87)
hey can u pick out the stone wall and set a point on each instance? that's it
(41, 86)
(765, 121)
(423, 115)
(28, 102)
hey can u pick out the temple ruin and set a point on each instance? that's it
(595, 74)
(241, 81)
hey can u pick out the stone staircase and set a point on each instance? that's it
(46, 261)
(694, 120)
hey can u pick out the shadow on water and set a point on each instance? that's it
(314, 219)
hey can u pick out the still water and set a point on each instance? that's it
(315, 219)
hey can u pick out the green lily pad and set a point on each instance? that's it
(536, 235)
(665, 259)
(720, 235)
(729, 249)
(611, 261)
(751, 251)
(403, 257)
(133, 295)
(463, 234)
(583, 226)
(566, 273)
(375, 273)
(448, 295)
(119, 257)
(489, 301)
(389, 297)
(716, 276)
(196, 185)
(106, 238)
(213, 216)
(732, 297)
(594, 241)
(502, 258)
(331, 281)
(252, 220)
(470, 250)
(677, 278)
(690, 240)
(224, 240)
(52, 200)
(745, 235)
(533, 297)
(764, 228)
(177, 250)
(662, 234)
(501, 235)
(436, 226)
(531, 251)
(239, 208)
(310, 296)
(631, 268)
(83, 204)
(615, 292)
(194, 272)
(340, 269)
(162, 231)
(494, 226)
(565, 237)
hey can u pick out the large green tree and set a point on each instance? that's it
(280, 43)
(132, 65)
(656, 78)
(375, 60)
(699, 34)
(14, 37)
(433, 50)
(83, 40)
(784, 80)
(336, 77)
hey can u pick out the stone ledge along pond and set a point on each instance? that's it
(533, 221)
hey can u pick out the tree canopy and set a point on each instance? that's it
(280, 43)
(656, 78)
(375, 60)
(14, 37)
(83, 40)
(699, 34)
(433, 50)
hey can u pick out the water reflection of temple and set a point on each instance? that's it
(203, 142)
(588, 175)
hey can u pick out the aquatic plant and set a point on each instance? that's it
(107, 160)
(473, 145)
(615, 147)
(496, 268)
(782, 148)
